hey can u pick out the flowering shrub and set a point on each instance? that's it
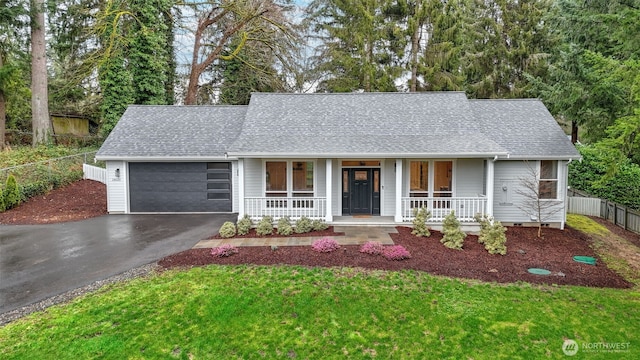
(326, 244)
(224, 250)
(395, 252)
(372, 248)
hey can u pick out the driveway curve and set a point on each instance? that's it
(40, 261)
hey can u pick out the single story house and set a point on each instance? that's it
(348, 157)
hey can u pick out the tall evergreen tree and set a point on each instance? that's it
(355, 41)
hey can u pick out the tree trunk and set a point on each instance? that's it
(574, 132)
(39, 97)
(3, 113)
(415, 43)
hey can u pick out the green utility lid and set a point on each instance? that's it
(585, 259)
(538, 271)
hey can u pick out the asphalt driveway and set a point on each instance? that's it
(40, 261)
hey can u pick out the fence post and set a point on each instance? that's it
(625, 217)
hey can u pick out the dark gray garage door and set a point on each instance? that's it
(180, 187)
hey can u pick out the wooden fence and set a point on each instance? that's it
(582, 203)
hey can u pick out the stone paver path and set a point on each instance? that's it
(353, 235)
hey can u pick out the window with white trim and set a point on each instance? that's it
(548, 185)
(289, 178)
(419, 179)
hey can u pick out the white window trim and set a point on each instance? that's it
(289, 166)
(557, 180)
(431, 180)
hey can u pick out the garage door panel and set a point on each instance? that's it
(180, 187)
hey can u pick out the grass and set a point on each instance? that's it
(244, 312)
(615, 251)
(27, 154)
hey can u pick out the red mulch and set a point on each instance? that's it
(524, 250)
(80, 200)
(85, 199)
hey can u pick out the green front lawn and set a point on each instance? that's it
(226, 312)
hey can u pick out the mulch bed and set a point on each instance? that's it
(554, 252)
(77, 201)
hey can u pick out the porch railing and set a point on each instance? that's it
(293, 207)
(465, 207)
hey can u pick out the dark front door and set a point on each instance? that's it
(361, 191)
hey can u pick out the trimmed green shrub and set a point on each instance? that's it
(227, 230)
(265, 226)
(284, 226)
(453, 236)
(244, 225)
(11, 193)
(304, 225)
(602, 175)
(420, 218)
(319, 225)
(2, 207)
(492, 235)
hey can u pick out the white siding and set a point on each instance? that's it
(508, 175)
(321, 177)
(388, 182)
(469, 177)
(117, 192)
(234, 186)
(253, 177)
(336, 200)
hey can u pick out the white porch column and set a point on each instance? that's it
(240, 188)
(329, 190)
(490, 185)
(398, 214)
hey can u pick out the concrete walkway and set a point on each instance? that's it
(353, 235)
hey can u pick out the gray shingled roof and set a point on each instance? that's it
(363, 124)
(433, 124)
(165, 132)
(524, 127)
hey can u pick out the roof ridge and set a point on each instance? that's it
(363, 93)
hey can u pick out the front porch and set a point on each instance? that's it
(374, 192)
(466, 208)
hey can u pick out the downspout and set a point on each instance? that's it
(566, 196)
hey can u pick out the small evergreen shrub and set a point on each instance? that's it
(396, 252)
(11, 193)
(284, 226)
(265, 226)
(420, 218)
(224, 250)
(325, 245)
(372, 248)
(453, 236)
(319, 225)
(244, 225)
(2, 207)
(304, 225)
(227, 230)
(492, 235)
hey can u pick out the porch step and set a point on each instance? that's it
(365, 221)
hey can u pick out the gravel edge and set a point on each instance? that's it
(66, 297)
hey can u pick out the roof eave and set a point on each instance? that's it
(366, 155)
(163, 158)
